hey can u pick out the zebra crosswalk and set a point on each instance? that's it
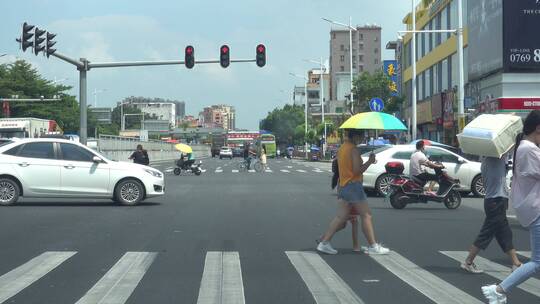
(222, 279)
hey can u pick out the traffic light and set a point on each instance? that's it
(49, 44)
(261, 55)
(189, 58)
(224, 58)
(38, 40)
(26, 36)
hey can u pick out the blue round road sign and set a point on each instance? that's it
(376, 104)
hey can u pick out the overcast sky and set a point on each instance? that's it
(106, 30)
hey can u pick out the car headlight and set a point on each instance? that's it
(153, 173)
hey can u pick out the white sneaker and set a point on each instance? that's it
(377, 249)
(490, 292)
(471, 268)
(325, 247)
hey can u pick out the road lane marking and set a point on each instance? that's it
(495, 270)
(235, 171)
(23, 276)
(285, 171)
(436, 289)
(526, 254)
(119, 282)
(302, 171)
(322, 281)
(222, 279)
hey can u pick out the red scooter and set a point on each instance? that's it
(405, 190)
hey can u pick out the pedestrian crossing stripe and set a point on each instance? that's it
(496, 270)
(222, 280)
(219, 171)
(526, 254)
(285, 171)
(234, 171)
(25, 275)
(301, 171)
(251, 171)
(436, 289)
(322, 281)
(120, 281)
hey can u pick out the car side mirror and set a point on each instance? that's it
(97, 160)
(461, 160)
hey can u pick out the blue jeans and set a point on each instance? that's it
(526, 271)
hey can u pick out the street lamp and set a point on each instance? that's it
(351, 28)
(321, 94)
(96, 91)
(305, 111)
(459, 33)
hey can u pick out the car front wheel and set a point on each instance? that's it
(9, 192)
(477, 186)
(129, 192)
(383, 184)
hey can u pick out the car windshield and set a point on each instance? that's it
(5, 142)
(377, 150)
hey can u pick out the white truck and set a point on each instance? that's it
(26, 127)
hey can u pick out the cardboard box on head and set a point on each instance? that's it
(490, 135)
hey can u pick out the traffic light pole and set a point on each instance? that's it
(83, 65)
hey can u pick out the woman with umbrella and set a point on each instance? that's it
(351, 196)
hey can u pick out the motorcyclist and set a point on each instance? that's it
(419, 162)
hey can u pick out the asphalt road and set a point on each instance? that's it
(233, 237)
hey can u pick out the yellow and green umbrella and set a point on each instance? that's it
(373, 121)
(183, 148)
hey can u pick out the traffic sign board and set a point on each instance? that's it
(376, 104)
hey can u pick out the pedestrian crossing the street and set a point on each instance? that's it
(222, 280)
(275, 167)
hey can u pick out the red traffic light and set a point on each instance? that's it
(189, 57)
(260, 57)
(224, 56)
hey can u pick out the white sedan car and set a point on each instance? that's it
(58, 168)
(468, 172)
(225, 152)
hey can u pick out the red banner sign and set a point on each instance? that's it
(520, 103)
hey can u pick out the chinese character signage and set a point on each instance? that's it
(391, 70)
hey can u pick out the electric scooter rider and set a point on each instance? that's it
(418, 163)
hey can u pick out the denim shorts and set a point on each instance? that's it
(352, 193)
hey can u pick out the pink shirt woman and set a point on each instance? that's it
(525, 195)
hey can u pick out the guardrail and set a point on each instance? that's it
(120, 148)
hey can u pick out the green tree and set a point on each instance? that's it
(132, 122)
(284, 123)
(368, 86)
(21, 79)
